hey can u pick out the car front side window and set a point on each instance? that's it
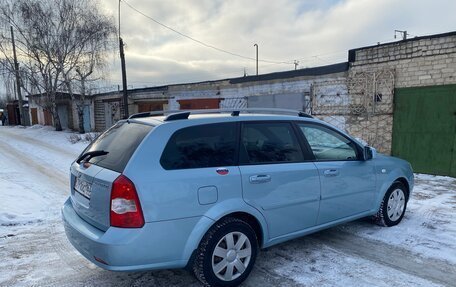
(327, 144)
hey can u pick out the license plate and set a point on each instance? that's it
(83, 187)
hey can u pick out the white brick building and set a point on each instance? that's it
(358, 96)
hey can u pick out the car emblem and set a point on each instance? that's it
(222, 171)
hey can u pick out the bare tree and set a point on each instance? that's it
(93, 46)
(60, 45)
(8, 85)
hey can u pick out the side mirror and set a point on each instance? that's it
(369, 153)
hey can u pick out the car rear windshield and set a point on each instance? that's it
(120, 142)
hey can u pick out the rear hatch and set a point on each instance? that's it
(99, 165)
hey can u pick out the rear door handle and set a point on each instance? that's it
(261, 178)
(331, 172)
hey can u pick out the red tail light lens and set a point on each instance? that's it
(126, 210)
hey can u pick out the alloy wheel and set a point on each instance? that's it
(231, 256)
(396, 204)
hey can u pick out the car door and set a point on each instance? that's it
(347, 180)
(276, 179)
(199, 171)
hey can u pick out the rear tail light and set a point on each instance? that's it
(126, 210)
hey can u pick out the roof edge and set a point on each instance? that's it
(351, 52)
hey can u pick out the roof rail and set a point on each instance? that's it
(184, 114)
(177, 116)
(140, 115)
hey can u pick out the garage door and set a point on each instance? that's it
(294, 101)
(151, 106)
(47, 118)
(62, 111)
(34, 113)
(424, 128)
(196, 104)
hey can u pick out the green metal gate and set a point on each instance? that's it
(424, 128)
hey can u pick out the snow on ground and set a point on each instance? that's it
(34, 184)
(429, 225)
(19, 208)
(25, 199)
(48, 135)
(351, 270)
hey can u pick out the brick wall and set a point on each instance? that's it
(423, 61)
(236, 95)
(359, 100)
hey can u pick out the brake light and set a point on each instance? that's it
(126, 210)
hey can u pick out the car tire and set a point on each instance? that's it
(226, 254)
(393, 206)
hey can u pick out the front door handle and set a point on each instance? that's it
(261, 178)
(331, 172)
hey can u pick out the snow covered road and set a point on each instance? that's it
(421, 251)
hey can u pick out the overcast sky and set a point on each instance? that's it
(313, 32)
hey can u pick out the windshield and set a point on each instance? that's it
(119, 142)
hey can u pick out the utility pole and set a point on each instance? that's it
(296, 63)
(18, 82)
(256, 45)
(124, 72)
(124, 77)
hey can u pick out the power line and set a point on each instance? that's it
(271, 62)
(313, 57)
(201, 42)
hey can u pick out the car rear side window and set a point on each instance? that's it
(120, 141)
(269, 143)
(201, 146)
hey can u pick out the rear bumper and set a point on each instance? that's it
(157, 245)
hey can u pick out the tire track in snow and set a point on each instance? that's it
(434, 270)
(27, 162)
(58, 186)
(60, 181)
(35, 141)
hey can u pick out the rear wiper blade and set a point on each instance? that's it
(91, 154)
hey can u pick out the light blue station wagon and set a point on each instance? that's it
(208, 190)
